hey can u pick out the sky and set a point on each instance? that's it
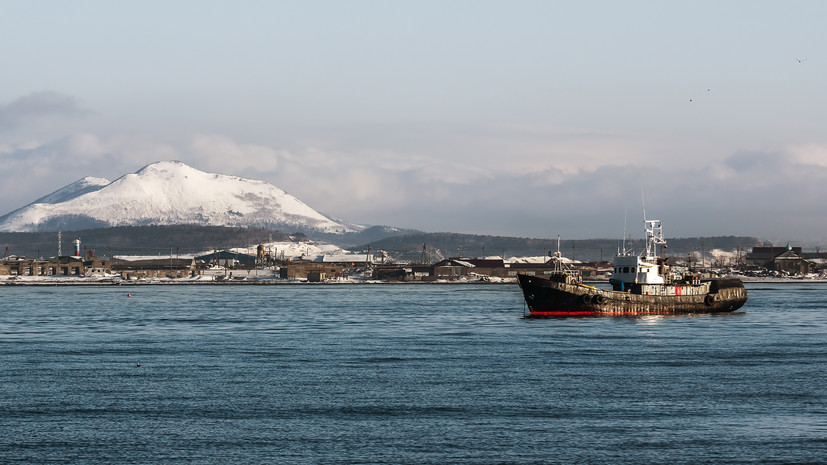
(518, 118)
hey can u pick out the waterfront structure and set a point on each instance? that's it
(311, 271)
(155, 268)
(787, 260)
(228, 259)
(55, 266)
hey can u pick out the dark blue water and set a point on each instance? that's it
(403, 374)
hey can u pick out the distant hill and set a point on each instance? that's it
(142, 240)
(472, 245)
(170, 193)
(405, 244)
(359, 239)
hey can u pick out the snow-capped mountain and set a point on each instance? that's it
(169, 193)
(80, 187)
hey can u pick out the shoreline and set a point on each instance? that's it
(70, 281)
(234, 282)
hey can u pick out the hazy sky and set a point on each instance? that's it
(523, 118)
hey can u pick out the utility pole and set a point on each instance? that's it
(703, 256)
(738, 256)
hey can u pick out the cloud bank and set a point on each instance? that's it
(35, 106)
(504, 180)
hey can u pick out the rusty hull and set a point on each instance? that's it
(546, 297)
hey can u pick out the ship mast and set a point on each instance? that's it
(654, 232)
(654, 237)
(558, 262)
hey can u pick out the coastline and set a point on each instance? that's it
(107, 281)
(69, 281)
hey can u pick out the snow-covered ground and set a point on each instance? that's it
(292, 250)
(539, 259)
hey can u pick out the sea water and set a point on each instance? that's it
(403, 374)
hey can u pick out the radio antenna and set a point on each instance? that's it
(625, 214)
(643, 202)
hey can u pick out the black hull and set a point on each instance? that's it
(548, 297)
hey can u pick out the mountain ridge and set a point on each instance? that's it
(401, 244)
(447, 244)
(170, 193)
(77, 188)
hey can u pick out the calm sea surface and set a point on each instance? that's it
(403, 374)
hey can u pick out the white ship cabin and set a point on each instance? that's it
(642, 269)
(631, 269)
(648, 274)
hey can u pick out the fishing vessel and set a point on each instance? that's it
(642, 284)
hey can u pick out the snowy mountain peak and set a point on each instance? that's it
(170, 169)
(166, 193)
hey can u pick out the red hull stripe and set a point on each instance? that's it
(562, 313)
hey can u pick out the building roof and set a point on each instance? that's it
(153, 264)
(345, 258)
(454, 262)
(486, 262)
(227, 255)
(518, 265)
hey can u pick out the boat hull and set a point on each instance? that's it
(546, 297)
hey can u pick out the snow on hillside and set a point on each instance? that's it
(77, 188)
(169, 193)
(292, 250)
(286, 250)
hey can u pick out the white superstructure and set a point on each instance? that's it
(646, 268)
